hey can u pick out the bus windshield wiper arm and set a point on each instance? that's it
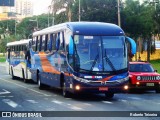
(94, 62)
(110, 63)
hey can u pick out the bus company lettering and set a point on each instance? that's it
(92, 77)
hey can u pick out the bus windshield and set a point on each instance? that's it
(101, 53)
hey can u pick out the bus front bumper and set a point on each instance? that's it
(77, 86)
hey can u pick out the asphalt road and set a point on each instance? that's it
(15, 95)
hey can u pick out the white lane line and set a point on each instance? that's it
(87, 104)
(67, 105)
(10, 103)
(57, 102)
(135, 98)
(4, 92)
(122, 100)
(32, 101)
(25, 87)
(108, 102)
(6, 96)
(76, 108)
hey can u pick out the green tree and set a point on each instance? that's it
(138, 21)
(96, 10)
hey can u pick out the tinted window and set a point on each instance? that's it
(140, 68)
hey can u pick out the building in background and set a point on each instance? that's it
(20, 9)
(24, 7)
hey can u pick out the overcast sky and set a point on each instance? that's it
(41, 6)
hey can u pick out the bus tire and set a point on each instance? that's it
(109, 95)
(12, 74)
(40, 85)
(23, 76)
(66, 93)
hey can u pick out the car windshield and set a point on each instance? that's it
(101, 53)
(140, 68)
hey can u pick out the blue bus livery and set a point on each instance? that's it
(81, 57)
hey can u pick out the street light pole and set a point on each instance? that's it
(36, 20)
(79, 10)
(15, 27)
(119, 16)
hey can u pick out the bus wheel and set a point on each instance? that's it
(13, 77)
(40, 85)
(65, 92)
(23, 76)
(109, 95)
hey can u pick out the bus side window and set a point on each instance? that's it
(49, 43)
(36, 43)
(61, 41)
(54, 42)
(40, 43)
(45, 42)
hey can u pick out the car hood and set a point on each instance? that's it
(144, 73)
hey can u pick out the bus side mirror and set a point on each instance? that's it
(133, 45)
(71, 46)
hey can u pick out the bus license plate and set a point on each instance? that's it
(150, 84)
(103, 88)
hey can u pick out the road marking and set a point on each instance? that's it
(10, 103)
(108, 102)
(32, 101)
(57, 102)
(5, 92)
(123, 100)
(76, 108)
(6, 96)
(25, 87)
(135, 98)
(87, 104)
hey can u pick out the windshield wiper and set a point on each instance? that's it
(94, 62)
(110, 63)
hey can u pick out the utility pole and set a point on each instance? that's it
(119, 16)
(79, 10)
(52, 8)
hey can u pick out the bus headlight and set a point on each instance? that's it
(138, 77)
(123, 80)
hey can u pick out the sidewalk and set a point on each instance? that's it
(2, 63)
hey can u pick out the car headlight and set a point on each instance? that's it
(158, 78)
(138, 77)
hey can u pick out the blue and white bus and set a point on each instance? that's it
(81, 57)
(18, 59)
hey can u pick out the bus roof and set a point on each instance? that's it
(84, 28)
(21, 42)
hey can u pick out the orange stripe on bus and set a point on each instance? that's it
(46, 65)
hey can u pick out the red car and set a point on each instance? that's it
(143, 76)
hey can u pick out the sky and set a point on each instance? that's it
(40, 6)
